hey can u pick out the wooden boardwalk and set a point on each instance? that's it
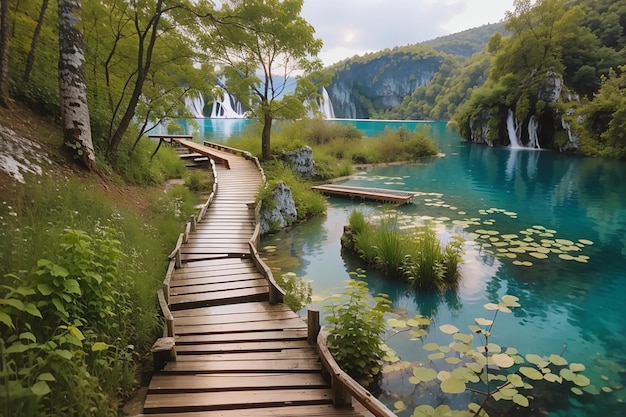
(366, 193)
(236, 354)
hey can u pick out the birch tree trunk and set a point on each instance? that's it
(4, 53)
(72, 88)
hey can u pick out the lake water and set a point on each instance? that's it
(572, 289)
(571, 210)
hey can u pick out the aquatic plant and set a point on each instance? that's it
(415, 253)
(356, 324)
(298, 290)
(491, 373)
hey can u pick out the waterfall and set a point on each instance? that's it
(195, 105)
(227, 107)
(533, 140)
(325, 105)
(510, 126)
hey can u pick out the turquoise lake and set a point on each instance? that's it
(571, 287)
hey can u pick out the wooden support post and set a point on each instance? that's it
(341, 395)
(193, 221)
(313, 325)
(163, 351)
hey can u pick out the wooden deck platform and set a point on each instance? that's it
(365, 193)
(235, 353)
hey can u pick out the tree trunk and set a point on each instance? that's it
(4, 53)
(266, 151)
(144, 60)
(30, 61)
(72, 89)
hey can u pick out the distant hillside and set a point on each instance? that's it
(376, 84)
(466, 43)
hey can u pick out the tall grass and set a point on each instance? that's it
(417, 255)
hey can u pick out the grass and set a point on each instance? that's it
(417, 255)
(109, 242)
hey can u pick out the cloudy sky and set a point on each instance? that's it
(355, 27)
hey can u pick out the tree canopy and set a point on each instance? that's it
(260, 46)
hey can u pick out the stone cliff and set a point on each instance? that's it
(364, 85)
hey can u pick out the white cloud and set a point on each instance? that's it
(355, 27)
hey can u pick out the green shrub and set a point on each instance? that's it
(198, 180)
(356, 324)
(298, 290)
(357, 222)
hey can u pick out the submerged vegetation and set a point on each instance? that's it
(416, 254)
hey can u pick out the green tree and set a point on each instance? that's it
(262, 45)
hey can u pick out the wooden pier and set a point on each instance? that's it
(375, 194)
(230, 346)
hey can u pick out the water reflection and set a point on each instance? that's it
(576, 304)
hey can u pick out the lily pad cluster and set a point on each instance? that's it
(487, 369)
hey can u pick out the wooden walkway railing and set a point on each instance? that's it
(230, 346)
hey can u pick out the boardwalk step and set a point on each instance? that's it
(206, 401)
(227, 382)
(219, 298)
(286, 411)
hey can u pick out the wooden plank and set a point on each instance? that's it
(223, 286)
(230, 309)
(241, 276)
(229, 382)
(194, 257)
(257, 337)
(285, 354)
(323, 410)
(295, 323)
(234, 318)
(233, 400)
(251, 346)
(278, 365)
(223, 297)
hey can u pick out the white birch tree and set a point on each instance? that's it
(72, 88)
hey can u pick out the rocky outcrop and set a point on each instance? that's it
(544, 126)
(280, 212)
(301, 162)
(380, 83)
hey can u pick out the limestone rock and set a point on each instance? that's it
(280, 214)
(301, 162)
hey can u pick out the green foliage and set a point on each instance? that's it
(490, 372)
(76, 302)
(270, 38)
(417, 255)
(355, 324)
(427, 265)
(198, 180)
(298, 290)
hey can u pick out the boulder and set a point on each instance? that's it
(281, 213)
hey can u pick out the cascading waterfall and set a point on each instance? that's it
(510, 126)
(227, 107)
(533, 139)
(326, 106)
(195, 105)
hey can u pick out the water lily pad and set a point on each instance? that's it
(538, 255)
(558, 360)
(448, 329)
(430, 346)
(453, 386)
(483, 322)
(607, 389)
(581, 380)
(581, 259)
(435, 356)
(543, 250)
(531, 373)
(503, 360)
(577, 391)
(566, 257)
(585, 242)
(424, 374)
(553, 378)
(509, 237)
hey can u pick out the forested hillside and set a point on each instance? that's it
(556, 82)
(555, 64)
